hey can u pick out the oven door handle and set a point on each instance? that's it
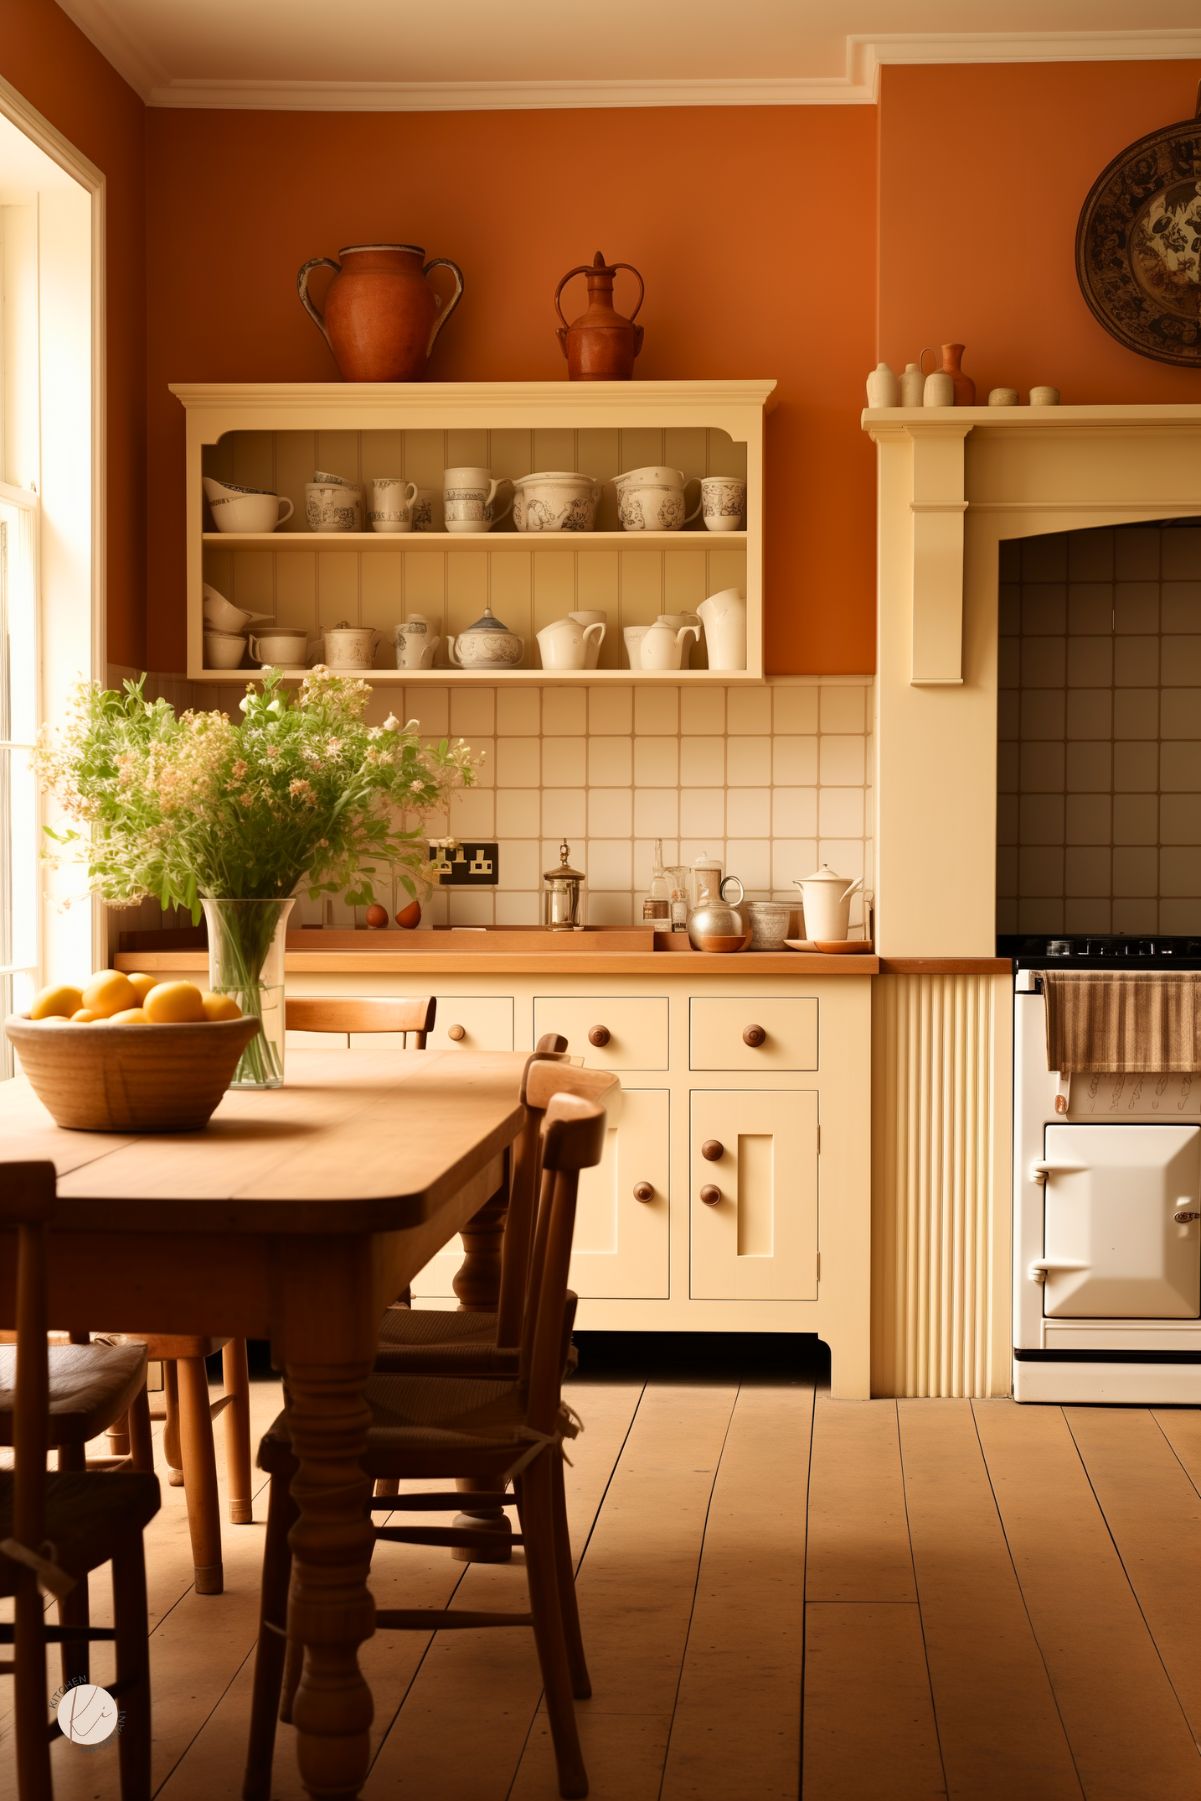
(1040, 1171)
(1043, 1266)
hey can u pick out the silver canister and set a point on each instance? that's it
(562, 907)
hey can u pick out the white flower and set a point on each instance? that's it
(391, 723)
(244, 703)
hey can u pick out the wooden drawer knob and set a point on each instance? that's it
(457, 1033)
(644, 1191)
(599, 1036)
(754, 1036)
(713, 1150)
(710, 1195)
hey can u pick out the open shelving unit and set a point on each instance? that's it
(275, 436)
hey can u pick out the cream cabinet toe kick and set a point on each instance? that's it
(734, 1192)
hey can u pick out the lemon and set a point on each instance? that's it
(174, 1003)
(220, 1006)
(84, 1017)
(129, 1016)
(56, 1002)
(142, 985)
(109, 992)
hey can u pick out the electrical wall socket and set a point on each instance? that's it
(469, 865)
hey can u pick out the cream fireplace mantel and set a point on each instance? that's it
(953, 483)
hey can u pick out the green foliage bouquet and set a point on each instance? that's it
(299, 794)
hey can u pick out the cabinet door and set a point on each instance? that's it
(756, 1238)
(621, 1231)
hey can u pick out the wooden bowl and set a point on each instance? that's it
(105, 1078)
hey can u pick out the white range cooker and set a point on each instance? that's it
(1107, 1204)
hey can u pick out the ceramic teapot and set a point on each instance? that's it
(601, 344)
(486, 645)
(415, 643)
(724, 619)
(565, 643)
(826, 898)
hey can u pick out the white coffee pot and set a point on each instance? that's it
(826, 898)
(416, 643)
(564, 643)
(663, 643)
(724, 619)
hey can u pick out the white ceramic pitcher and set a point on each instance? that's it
(826, 898)
(663, 644)
(564, 643)
(723, 616)
(415, 643)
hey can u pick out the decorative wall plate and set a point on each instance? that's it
(1138, 245)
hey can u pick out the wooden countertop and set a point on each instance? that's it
(528, 963)
(946, 966)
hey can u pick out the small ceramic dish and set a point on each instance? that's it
(833, 947)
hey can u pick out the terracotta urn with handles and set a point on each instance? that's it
(381, 314)
(602, 343)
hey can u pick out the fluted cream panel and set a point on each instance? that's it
(941, 1132)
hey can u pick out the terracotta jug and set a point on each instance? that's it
(965, 387)
(601, 344)
(381, 313)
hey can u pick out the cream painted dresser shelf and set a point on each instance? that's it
(275, 435)
(734, 1195)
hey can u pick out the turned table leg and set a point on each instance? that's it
(331, 1609)
(477, 1284)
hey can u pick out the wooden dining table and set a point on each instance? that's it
(297, 1215)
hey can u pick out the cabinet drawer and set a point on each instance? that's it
(757, 1034)
(473, 1022)
(607, 1031)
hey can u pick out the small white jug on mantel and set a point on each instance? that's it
(883, 387)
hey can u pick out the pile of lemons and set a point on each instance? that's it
(111, 998)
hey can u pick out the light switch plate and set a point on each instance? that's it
(468, 865)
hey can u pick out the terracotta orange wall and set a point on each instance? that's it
(983, 171)
(54, 67)
(753, 230)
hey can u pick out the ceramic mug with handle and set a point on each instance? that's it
(251, 512)
(469, 499)
(392, 503)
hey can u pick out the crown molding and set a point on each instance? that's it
(144, 73)
(858, 85)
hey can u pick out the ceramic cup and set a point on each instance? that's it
(1044, 397)
(324, 478)
(224, 650)
(251, 512)
(723, 503)
(1003, 397)
(333, 507)
(392, 502)
(633, 635)
(423, 510)
(346, 647)
(654, 499)
(220, 615)
(281, 644)
(215, 490)
(469, 500)
(591, 616)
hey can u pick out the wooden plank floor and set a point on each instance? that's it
(782, 1596)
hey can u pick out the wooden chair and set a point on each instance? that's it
(91, 1387)
(370, 1013)
(56, 1528)
(488, 1430)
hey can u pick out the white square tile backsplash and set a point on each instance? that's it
(733, 772)
(1099, 732)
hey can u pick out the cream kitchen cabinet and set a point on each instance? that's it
(622, 1228)
(753, 1164)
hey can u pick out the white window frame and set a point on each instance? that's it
(67, 510)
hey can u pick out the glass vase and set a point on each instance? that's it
(246, 960)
